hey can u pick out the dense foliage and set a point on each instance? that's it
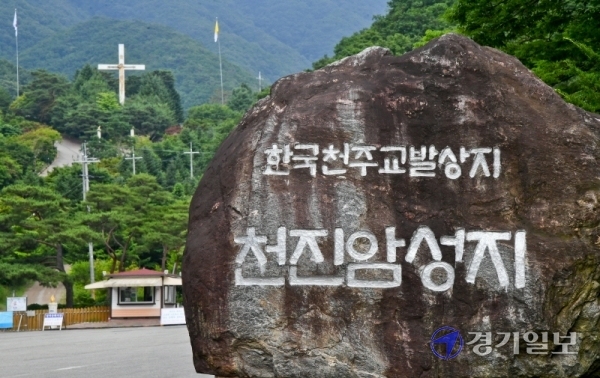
(400, 30)
(133, 220)
(556, 39)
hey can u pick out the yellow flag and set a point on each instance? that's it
(216, 30)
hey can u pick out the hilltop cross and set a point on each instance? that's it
(122, 67)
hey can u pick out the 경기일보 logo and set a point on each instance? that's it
(446, 343)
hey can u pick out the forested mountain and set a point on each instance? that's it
(558, 40)
(400, 30)
(137, 214)
(95, 41)
(274, 37)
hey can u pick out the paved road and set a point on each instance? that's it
(66, 149)
(98, 353)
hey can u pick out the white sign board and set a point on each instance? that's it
(171, 316)
(51, 320)
(16, 304)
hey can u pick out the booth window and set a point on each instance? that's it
(170, 295)
(136, 295)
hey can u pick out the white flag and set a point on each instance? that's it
(15, 23)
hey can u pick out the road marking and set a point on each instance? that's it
(71, 367)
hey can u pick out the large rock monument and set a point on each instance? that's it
(429, 215)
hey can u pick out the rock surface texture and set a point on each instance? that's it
(450, 187)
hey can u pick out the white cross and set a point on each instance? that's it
(122, 67)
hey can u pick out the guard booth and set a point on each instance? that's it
(139, 293)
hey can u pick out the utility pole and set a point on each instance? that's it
(191, 153)
(133, 158)
(84, 160)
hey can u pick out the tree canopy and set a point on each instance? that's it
(132, 220)
(399, 30)
(556, 39)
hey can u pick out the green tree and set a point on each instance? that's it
(37, 220)
(208, 125)
(241, 99)
(41, 142)
(62, 113)
(399, 30)
(120, 215)
(13, 149)
(148, 115)
(165, 226)
(5, 99)
(107, 101)
(68, 183)
(557, 40)
(160, 84)
(80, 276)
(40, 96)
(15, 275)
(113, 221)
(10, 171)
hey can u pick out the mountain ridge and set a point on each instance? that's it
(195, 68)
(260, 35)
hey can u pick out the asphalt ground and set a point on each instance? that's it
(94, 353)
(66, 152)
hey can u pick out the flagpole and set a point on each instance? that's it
(221, 71)
(17, 41)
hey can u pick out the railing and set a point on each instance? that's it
(34, 320)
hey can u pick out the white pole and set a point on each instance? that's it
(86, 186)
(133, 158)
(85, 173)
(91, 254)
(17, 41)
(191, 161)
(221, 71)
(122, 74)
